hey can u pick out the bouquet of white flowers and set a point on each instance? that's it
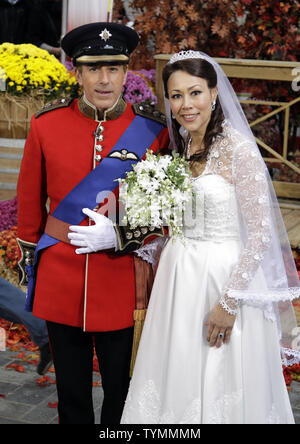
(156, 191)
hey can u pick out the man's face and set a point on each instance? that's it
(102, 84)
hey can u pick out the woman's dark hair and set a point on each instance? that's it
(203, 69)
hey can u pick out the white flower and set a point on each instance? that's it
(155, 192)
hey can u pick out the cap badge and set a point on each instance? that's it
(105, 34)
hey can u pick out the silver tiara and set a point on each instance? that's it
(182, 55)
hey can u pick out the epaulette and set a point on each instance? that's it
(149, 112)
(63, 102)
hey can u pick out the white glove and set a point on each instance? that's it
(100, 236)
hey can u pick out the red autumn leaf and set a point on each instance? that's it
(181, 21)
(52, 405)
(286, 8)
(219, 28)
(45, 381)
(21, 355)
(17, 367)
(240, 11)
(95, 365)
(241, 39)
(17, 335)
(224, 31)
(33, 361)
(215, 27)
(166, 47)
(191, 13)
(14, 340)
(183, 44)
(174, 12)
(192, 41)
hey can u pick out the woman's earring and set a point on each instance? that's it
(172, 115)
(213, 105)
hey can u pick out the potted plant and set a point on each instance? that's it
(29, 77)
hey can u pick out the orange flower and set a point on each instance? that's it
(9, 248)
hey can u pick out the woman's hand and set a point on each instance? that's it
(219, 326)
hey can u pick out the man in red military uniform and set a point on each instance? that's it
(74, 149)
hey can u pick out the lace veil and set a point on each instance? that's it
(266, 259)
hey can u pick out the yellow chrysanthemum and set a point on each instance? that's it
(26, 67)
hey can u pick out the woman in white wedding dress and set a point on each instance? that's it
(220, 321)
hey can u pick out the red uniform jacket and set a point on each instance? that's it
(94, 291)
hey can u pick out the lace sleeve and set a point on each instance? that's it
(250, 180)
(151, 251)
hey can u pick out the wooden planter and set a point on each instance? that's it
(16, 113)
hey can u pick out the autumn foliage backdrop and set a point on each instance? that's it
(268, 29)
(247, 29)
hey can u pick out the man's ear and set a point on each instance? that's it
(78, 74)
(125, 73)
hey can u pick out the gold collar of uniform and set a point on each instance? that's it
(89, 110)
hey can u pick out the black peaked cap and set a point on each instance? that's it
(101, 41)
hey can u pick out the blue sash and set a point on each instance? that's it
(138, 137)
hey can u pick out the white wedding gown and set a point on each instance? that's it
(178, 378)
